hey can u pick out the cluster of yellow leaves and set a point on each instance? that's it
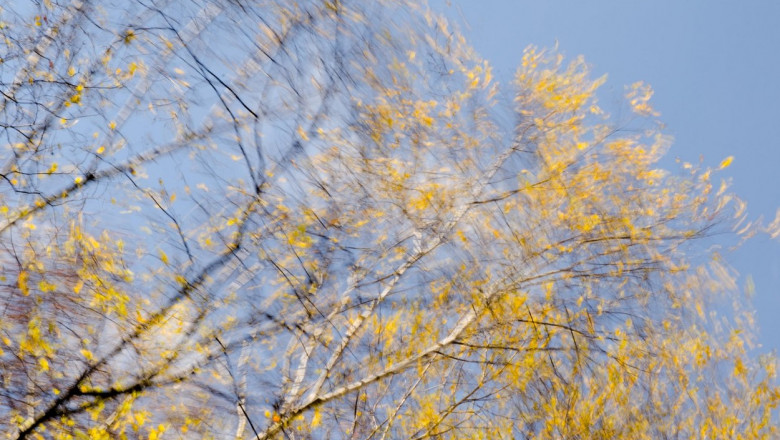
(392, 121)
(405, 268)
(101, 262)
(638, 97)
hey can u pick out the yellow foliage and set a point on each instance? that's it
(363, 244)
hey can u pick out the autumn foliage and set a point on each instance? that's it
(326, 219)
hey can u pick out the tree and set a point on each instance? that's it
(235, 218)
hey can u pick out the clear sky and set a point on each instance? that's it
(715, 69)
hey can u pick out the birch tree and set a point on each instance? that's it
(325, 219)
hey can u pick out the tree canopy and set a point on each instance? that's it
(326, 219)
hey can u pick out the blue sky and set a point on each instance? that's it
(715, 69)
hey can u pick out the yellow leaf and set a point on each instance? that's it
(87, 354)
(316, 419)
(302, 134)
(726, 162)
(129, 36)
(22, 281)
(46, 286)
